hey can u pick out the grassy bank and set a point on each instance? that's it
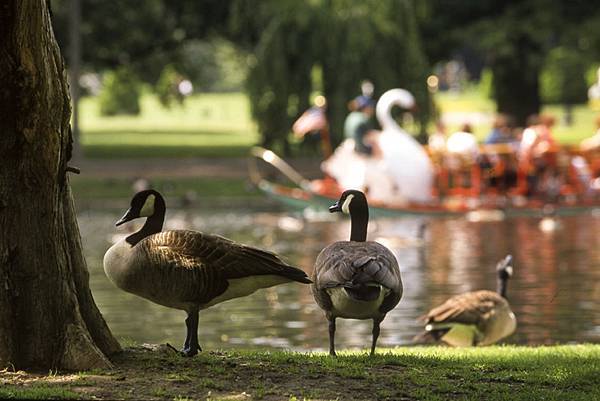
(459, 107)
(219, 125)
(413, 373)
(206, 125)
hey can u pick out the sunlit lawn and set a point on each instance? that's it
(206, 125)
(460, 106)
(219, 125)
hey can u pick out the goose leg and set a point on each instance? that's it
(376, 323)
(332, 336)
(191, 346)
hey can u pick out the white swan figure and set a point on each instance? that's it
(404, 172)
(405, 159)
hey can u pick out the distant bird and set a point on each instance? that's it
(356, 279)
(473, 318)
(188, 270)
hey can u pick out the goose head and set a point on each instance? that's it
(148, 203)
(143, 204)
(354, 203)
(504, 270)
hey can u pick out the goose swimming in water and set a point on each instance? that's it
(356, 279)
(188, 270)
(473, 318)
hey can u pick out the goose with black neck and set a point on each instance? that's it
(188, 270)
(474, 318)
(356, 279)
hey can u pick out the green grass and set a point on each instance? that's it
(567, 372)
(37, 392)
(473, 101)
(206, 125)
(219, 125)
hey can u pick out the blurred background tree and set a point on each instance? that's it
(282, 52)
(563, 80)
(512, 38)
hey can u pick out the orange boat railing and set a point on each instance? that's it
(500, 169)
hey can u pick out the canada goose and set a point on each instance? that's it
(356, 279)
(188, 270)
(473, 318)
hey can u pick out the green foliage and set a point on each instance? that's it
(513, 38)
(591, 74)
(485, 83)
(166, 87)
(145, 38)
(120, 93)
(563, 77)
(348, 42)
(214, 65)
(281, 72)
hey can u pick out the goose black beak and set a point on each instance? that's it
(128, 216)
(335, 208)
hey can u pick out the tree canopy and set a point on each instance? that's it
(293, 49)
(344, 42)
(514, 38)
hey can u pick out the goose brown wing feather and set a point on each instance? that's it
(468, 308)
(192, 280)
(216, 259)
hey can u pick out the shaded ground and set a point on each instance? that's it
(181, 167)
(417, 373)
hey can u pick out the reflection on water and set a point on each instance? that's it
(555, 291)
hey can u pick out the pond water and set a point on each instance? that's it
(555, 290)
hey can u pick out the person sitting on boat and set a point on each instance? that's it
(437, 141)
(462, 152)
(358, 126)
(312, 127)
(537, 152)
(366, 90)
(498, 163)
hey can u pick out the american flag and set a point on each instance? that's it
(313, 119)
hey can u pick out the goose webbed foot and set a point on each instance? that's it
(189, 351)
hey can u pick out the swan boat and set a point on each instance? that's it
(318, 194)
(410, 179)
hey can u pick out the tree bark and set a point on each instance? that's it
(48, 318)
(516, 81)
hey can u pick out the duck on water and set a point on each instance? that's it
(188, 270)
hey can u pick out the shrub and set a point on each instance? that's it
(121, 93)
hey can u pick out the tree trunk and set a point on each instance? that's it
(516, 81)
(48, 318)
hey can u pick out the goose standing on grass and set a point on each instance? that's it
(356, 279)
(188, 270)
(473, 318)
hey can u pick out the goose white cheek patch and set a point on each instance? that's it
(148, 208)
(346, 204)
